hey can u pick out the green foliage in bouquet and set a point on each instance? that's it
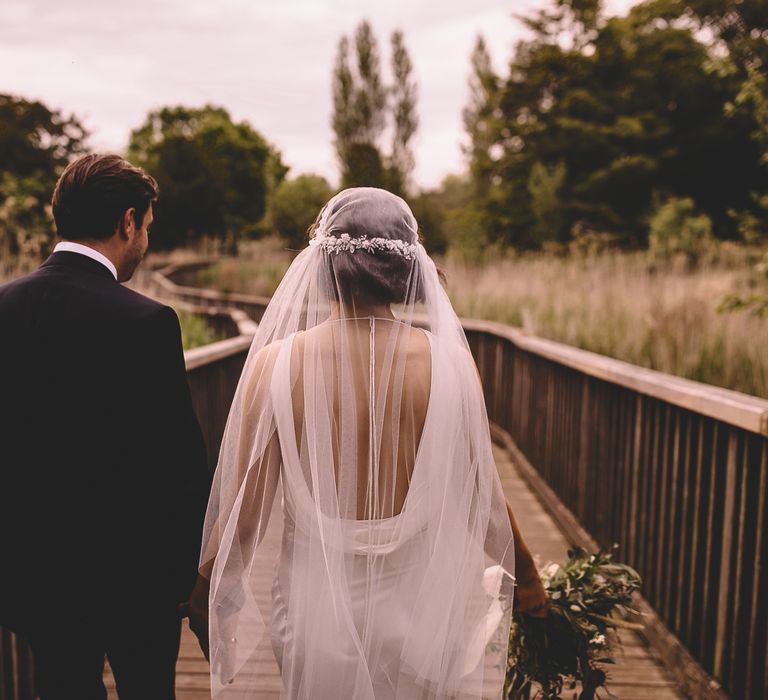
(577, 638)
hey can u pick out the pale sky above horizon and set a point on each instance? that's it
(267, 61)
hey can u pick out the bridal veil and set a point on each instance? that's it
(360, 408)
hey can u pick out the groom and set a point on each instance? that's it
(103, 475)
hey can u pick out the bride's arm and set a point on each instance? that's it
(260, 487)
(257, 478)
(530, 596)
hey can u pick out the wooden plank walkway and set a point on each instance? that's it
(637, 675)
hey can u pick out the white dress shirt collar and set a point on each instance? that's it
(71, 247)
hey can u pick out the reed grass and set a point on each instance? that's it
(195, 330)
(661, 316)
(657, 314)
(257, 270)
(12, 266)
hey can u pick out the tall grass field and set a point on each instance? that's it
(664, 315)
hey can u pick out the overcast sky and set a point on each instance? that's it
(266, 61)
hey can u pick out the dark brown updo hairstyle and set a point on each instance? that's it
(95, 191)
(377, 277)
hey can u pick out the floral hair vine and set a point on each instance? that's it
(345, 243)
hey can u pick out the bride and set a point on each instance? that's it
(360, 404)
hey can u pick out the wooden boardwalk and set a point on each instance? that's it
(636, 676)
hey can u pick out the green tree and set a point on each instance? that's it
(404, 95)
(371, 95)
(26, 224)
(295, 206)
(364, 167)
(344, 118)
(752, 99)
(753, 95)
(481, 123)
(430, 215)
(359, 116)
(739, 49)
(573, 23)
(361, 111)
(633, 109)
(215, 175)
(741, 26)
(676, 229)
(36, 143)
(448, 219)
(479, 114)
(545, 185)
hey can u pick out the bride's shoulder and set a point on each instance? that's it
(268, 354)
(261, 363)
(421, 340)
(455, 354)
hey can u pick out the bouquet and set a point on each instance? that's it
(573, 643)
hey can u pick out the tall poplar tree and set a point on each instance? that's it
(371, 95)
(478, 116)
(361, 112)
(343, 121)
(404, 95)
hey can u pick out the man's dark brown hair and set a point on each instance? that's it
(95, 191)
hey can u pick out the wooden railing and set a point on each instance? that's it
(176, 282)
(674, 471)
(213, 372)
(16, 677)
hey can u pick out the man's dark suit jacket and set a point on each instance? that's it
(103, 475)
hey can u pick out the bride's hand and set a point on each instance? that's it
(531, 597)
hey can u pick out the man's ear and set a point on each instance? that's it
(127, 224)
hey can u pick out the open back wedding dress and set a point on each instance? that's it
(360, 404)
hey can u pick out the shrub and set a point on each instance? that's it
(676, 230)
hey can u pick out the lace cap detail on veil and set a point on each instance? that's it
(345, 243)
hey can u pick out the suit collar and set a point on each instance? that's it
(76, 261)
(88, 251)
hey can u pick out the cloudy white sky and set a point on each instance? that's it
(266, 61)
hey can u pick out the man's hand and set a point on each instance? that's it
(531, 597)
(198, 613)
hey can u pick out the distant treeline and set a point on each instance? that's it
(647, 129)
(598, 121)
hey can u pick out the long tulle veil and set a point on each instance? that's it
(360, 405)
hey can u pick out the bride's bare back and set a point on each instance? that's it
(402, 359)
